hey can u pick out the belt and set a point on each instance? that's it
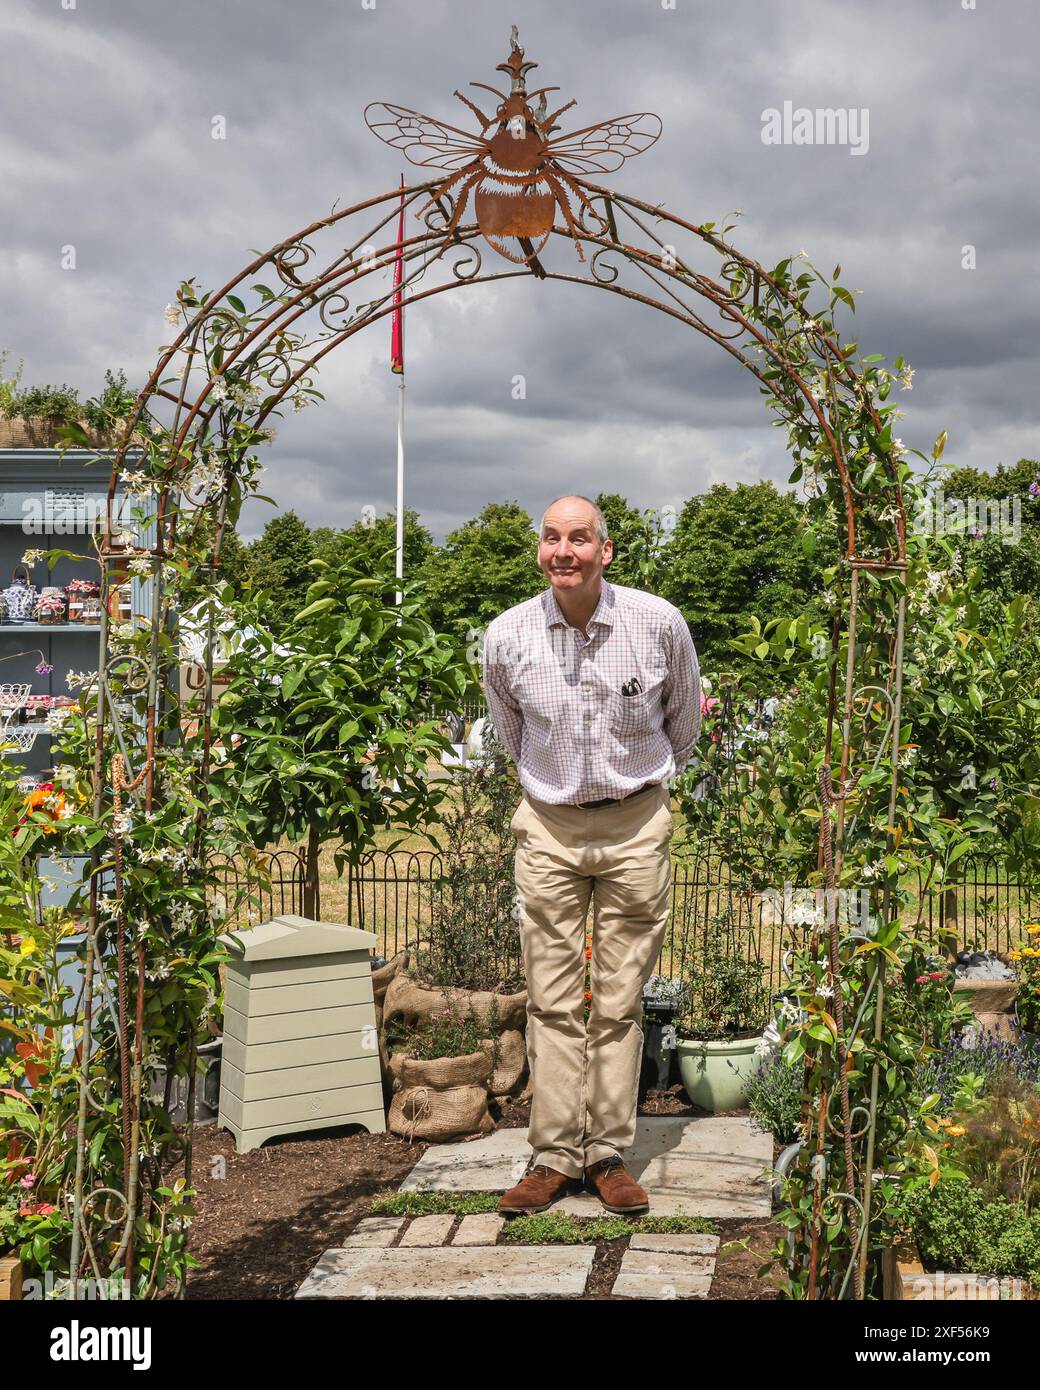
(613, 800)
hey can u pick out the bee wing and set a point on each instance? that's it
(605, 147)
(425, 142)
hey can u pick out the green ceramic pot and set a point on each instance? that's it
(716, 1073)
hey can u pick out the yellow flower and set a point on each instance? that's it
(28, 945)
(1014, 955)
(956, 1129)
(1033, 928)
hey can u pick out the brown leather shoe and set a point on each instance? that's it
(616, 1188)
(537, 1189)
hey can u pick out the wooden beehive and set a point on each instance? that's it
(301, 1047)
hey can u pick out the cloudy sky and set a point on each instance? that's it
(107, 112)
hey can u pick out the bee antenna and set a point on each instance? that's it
(486, 88)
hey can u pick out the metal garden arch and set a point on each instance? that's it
(256, 343)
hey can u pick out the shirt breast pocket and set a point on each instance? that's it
(634, 718)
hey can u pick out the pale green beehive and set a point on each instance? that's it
(300, 1042)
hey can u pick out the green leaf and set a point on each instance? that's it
(320, 605)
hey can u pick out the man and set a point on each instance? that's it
(594, 689)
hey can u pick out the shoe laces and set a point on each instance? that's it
(614, 1161)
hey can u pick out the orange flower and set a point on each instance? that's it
(588, 996)
(956, 1129)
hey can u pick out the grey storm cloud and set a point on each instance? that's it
(107, 110)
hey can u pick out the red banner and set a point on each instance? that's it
(397, 328)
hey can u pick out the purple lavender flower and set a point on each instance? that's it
(44, 668)
(1034, 488)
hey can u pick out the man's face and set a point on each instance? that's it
(570, 554)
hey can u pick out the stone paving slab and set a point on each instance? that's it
(657, 1274)
(714, 1165)
(429, 1230)
(492, 1163)
(479, 1228)
(687, 1243)
(497, 1271)
(375, 1230)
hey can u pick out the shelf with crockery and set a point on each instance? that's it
(54, 503)
(25, 718)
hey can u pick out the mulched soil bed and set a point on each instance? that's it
(264, 1218)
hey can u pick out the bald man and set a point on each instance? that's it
(594, 690)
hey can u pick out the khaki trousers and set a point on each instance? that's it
(585, 1080)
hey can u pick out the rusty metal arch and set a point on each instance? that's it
(181, 418)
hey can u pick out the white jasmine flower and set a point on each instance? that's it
(137, 483)
(172, 314)
(907, 378)
(33, 557)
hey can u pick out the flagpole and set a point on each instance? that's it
(397, 365)
(400, 485)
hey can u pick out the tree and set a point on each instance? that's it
(277, 565)
(1009, 563)
(326, 733)
(739, 552)
(639, 543)
(364, 543)
(485, 566)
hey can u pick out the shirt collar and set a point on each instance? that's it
(602, 617)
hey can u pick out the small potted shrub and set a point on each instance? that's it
(467, 953)
(441, 1068)
(664, 999)
(720, 1033)
(1027, 998)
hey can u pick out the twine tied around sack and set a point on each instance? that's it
(420, 1108)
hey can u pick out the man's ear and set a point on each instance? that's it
(609, 544)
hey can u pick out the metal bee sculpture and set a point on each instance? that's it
(518, 174)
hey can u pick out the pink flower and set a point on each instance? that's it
(28, 1181)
